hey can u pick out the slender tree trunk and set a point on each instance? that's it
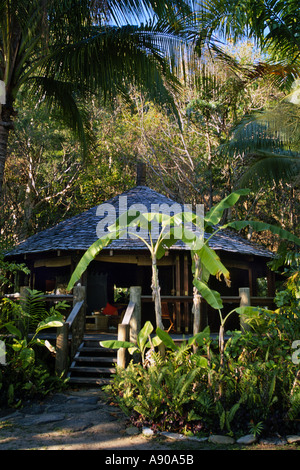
(4, 131)
(196, 297)
(5, 126)
(156, 294)
(209, 167)
(197, 310)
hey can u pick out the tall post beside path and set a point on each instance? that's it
(135, 322)
(244, 293)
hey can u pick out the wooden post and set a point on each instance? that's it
(136, 318)
(62, 349)
(186, 292)
(123, 335)
(271, 283)
(177, 304)
(77, 330)
(23, 293)
(78, 327)
(244, 293)
(78, 294)
(197, 311)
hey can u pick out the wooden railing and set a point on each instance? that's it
(183, 304)
(70, 335)
(131, 324)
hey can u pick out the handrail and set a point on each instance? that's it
(128, 313)
(189, 298)
(124, 334)
(76, 309)
(70, 334)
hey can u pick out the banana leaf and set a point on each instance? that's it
(214, 216)
(212, 263)
(166, 339)
(261, 226)
(211, 296)
(143, 335)
(116, 344)
(89, 256)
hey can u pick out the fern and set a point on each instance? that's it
(227, 416)
(35, 309)
(294, 402)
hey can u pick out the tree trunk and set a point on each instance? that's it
(5, 126)
(196, 310)
(196, 297)
(4, 131)
(156, 294)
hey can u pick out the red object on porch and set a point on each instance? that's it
(110, 310)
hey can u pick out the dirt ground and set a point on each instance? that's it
(82, 419)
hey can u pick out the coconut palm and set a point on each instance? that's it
(273, 24)
(267, 144)
(63, 50)
(268, 141)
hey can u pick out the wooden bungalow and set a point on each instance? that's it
(53, 254)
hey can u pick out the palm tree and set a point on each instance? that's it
(273, 24)
(267, 144)
(267, 141)
(62, 50)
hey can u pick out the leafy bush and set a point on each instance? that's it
(27, 371)
(9, 269)
(250, 383)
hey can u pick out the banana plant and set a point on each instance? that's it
(206, 262)
(158, 231)
(189, 228)
(24, 347)
(144, 342)
(186, 226)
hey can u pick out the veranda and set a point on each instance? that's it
(70, 335)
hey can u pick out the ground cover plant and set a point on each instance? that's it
(250, 383)
(27, 369)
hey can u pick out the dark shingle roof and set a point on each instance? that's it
(79, 232)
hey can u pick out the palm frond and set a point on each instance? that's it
(140, 11)
(272, 25)
(269, 168)
(282, 75)
(266, 146)
(62, 96)
(113, 58)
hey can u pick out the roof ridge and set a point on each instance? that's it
(79, 231)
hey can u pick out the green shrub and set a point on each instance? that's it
(27, 371)
(252, 385)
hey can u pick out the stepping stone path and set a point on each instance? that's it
(83, 420)
(77, 419)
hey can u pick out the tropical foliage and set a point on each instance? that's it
(248, 384)
(267, 141)
(65, 50)
(27, 371)
(117, 82)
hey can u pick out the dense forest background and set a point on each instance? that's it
(230, 114)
